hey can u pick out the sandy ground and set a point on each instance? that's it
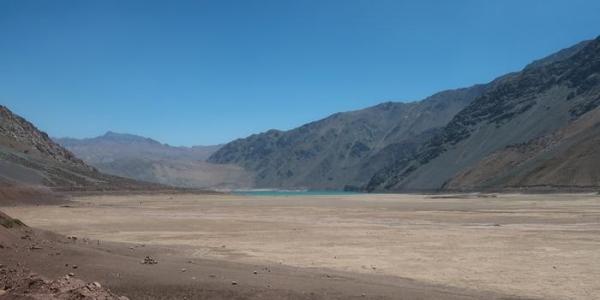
(537, 246)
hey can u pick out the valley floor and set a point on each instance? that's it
(313, 247)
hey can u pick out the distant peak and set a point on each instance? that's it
(126, 137)
(561, 55)
(116, 134)
(388, 105)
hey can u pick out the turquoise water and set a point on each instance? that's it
(292, 193)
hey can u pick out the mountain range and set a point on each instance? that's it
(148, 160)
(517, 131)
(541, 102)
(536, 129)
(345, 148)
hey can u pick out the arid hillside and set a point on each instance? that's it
(28, 157)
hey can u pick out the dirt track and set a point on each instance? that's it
(538, 246)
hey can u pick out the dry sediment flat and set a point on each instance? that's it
(529, 246)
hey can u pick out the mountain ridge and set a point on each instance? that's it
(533, 103)
(316, 155)
(146, 159)
(328, 153)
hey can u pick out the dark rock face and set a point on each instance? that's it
(520, 107)
(333, 153)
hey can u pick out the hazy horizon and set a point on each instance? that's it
(205, 73)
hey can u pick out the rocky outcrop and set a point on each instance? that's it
(19, 284)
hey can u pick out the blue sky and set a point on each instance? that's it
(205, 72)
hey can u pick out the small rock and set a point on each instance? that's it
(234, 283)
(363, 295)
(149, 261)
(212, 275)
(96, 284)
(75, 266)
(2, 292)
(71, 274)
(255, 272)
(183, 270)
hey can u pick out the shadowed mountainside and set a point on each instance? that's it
(566, 159)
(331, 153)
(145, 159)
(546, 100)
(423, 145)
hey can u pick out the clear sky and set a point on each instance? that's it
(205, 72)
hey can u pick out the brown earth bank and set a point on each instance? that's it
(12, 195)
(30, 195)
(18, 281)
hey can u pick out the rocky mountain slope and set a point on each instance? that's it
(145, 159)
(566, 159)
(518, 133)
(331, 153)
(18, 134)
(424, 145)
(28, 157)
